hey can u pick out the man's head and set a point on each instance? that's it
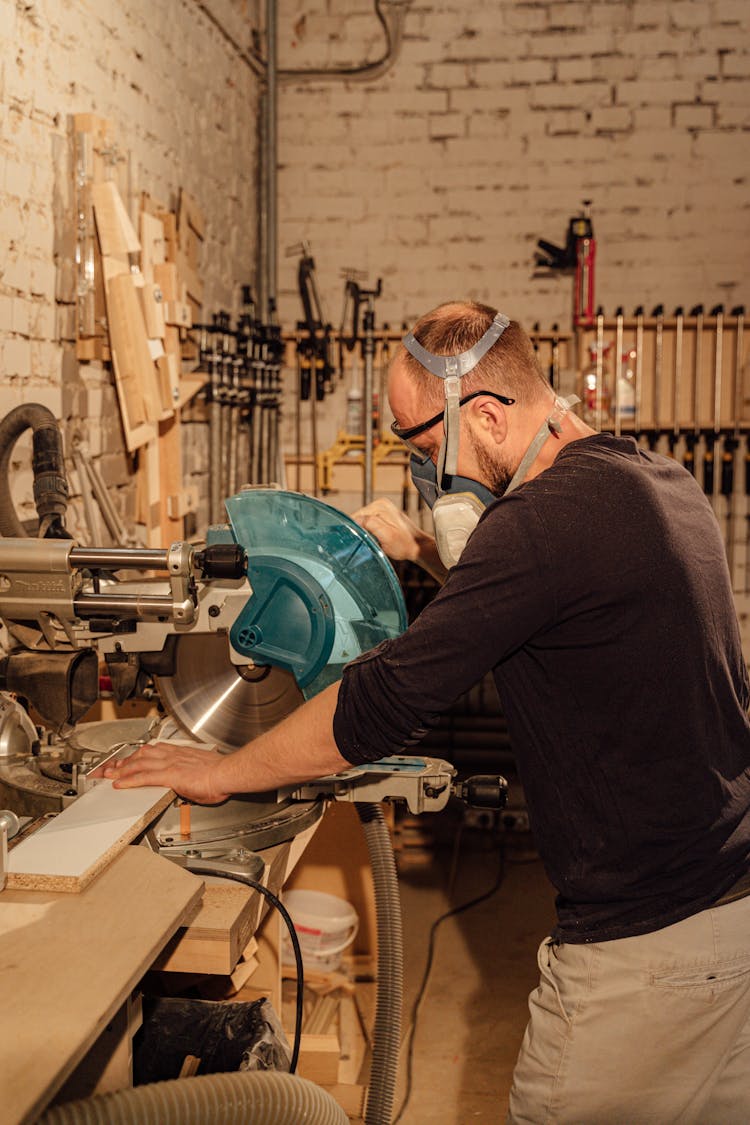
(509, 369)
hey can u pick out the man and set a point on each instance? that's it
(596, 590)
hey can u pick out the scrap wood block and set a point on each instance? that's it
(91, 348)
(179, 313)
(319, 1058)
(351, 1098)
(214, 938)
(167, 278)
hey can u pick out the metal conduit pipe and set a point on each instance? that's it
(268, 1097)
(271, 106)
(387, 1032)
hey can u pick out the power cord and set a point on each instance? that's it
(412, 1031)
(206, 869)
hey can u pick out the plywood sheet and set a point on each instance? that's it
(73, 847)
(68, 963)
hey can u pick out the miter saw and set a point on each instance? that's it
(225, 640)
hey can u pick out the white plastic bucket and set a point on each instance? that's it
(325, 925)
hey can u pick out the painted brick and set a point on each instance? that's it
(586, 95)
(566, 122)
(694, 116)
(526, 72)
(689, 13)
(527, 17)
(491, 94)
(16, 356)
(557, 45)
(612, 119)
(736, 64)
(699, 65)
(645, 92)
(448, 76)
(578, 69)
(733, 117)
(568, 15)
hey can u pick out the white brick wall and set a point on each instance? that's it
(183, 106)
(497, 120)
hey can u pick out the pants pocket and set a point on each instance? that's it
(546, 957)
(704, 981)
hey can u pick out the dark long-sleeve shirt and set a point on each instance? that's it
(599, 596)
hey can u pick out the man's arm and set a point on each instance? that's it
(299, 748)
(400, 537)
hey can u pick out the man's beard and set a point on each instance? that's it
(496, 471)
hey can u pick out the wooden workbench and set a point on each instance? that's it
(68, 964)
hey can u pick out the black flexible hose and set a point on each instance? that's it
(50, 483)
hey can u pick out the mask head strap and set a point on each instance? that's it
(552, 424)
(452, 368)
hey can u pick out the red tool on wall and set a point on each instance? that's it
(579, 254)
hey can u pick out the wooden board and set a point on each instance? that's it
(152, 242)
(73, 847)
(117, 235)
(69, 962)
(135, 371)
(153, 313)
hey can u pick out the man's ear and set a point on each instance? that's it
(490, 416)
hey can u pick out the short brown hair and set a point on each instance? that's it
(510, 367)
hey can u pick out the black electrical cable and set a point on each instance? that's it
(259, 65)
(351, 71)
(206, 868)
(428, 968)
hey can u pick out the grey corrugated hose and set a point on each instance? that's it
(387, 1032)
(268, 1097)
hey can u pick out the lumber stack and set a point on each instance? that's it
(138, 293)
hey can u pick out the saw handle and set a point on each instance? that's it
(483, 791)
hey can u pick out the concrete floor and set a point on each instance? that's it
(474, 1010)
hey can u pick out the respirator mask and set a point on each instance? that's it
(457, 502)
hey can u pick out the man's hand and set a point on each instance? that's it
(192, 773)
(400, 537)
(395, 532)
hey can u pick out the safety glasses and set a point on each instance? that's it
(406, 435)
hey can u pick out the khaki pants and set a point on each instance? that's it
(651, 1029)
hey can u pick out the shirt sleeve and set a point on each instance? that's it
(495, 599)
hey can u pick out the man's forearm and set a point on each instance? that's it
(299, 748)
(428, 558)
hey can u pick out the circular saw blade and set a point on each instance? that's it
(220, 702)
